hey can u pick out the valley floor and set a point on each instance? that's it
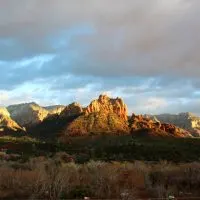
(43, 178)
(101, 167)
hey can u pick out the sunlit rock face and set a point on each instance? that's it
(108, 105)
(57, 109)
(186, 121)
(103, 116)
(97, 123)
(28, 114)
(155, 127)
(8, 125)
(4, 112)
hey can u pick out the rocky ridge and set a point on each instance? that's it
(152, 127)
(103, 116)
(187, 121)
(7, 125)
(57, 109)
(27, 114)
(72, 110)
(108, 105)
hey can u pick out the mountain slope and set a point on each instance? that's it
(186, 121)
(27, 114)
(56, 109)
(103, 116)
(97, 123)
(53, 125)
(9, 126)
(144, 126)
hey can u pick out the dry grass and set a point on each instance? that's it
(47, 179)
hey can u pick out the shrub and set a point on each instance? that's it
(42, 178)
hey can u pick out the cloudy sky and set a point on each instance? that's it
(60, 51)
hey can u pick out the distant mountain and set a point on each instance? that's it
(145, 126)
(31, 114)
(104, 115)
(56, 109)
(9, 126)
(53, 125)
(27, 114)
(72, 110)
(186, 121)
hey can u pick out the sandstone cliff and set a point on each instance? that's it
(28, 114)
(97, 123)
(186, 121)
(150, 127)
(103, 116)
(108, 105)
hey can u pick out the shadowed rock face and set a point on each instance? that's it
(72, 110)
(7, 125)
(108, 105)
(28, 114)
(156, 128)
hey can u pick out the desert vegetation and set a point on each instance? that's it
(101, 167)
(60, 178)
(106, 148)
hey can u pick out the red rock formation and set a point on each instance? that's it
(97, 123)
(102, 116)
(108, 105)
(138, 122)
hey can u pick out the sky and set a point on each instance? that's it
(144, 51)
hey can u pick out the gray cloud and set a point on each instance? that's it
(146, 48)
(136, 38)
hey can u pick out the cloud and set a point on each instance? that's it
(144, 51)
(136, 38)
